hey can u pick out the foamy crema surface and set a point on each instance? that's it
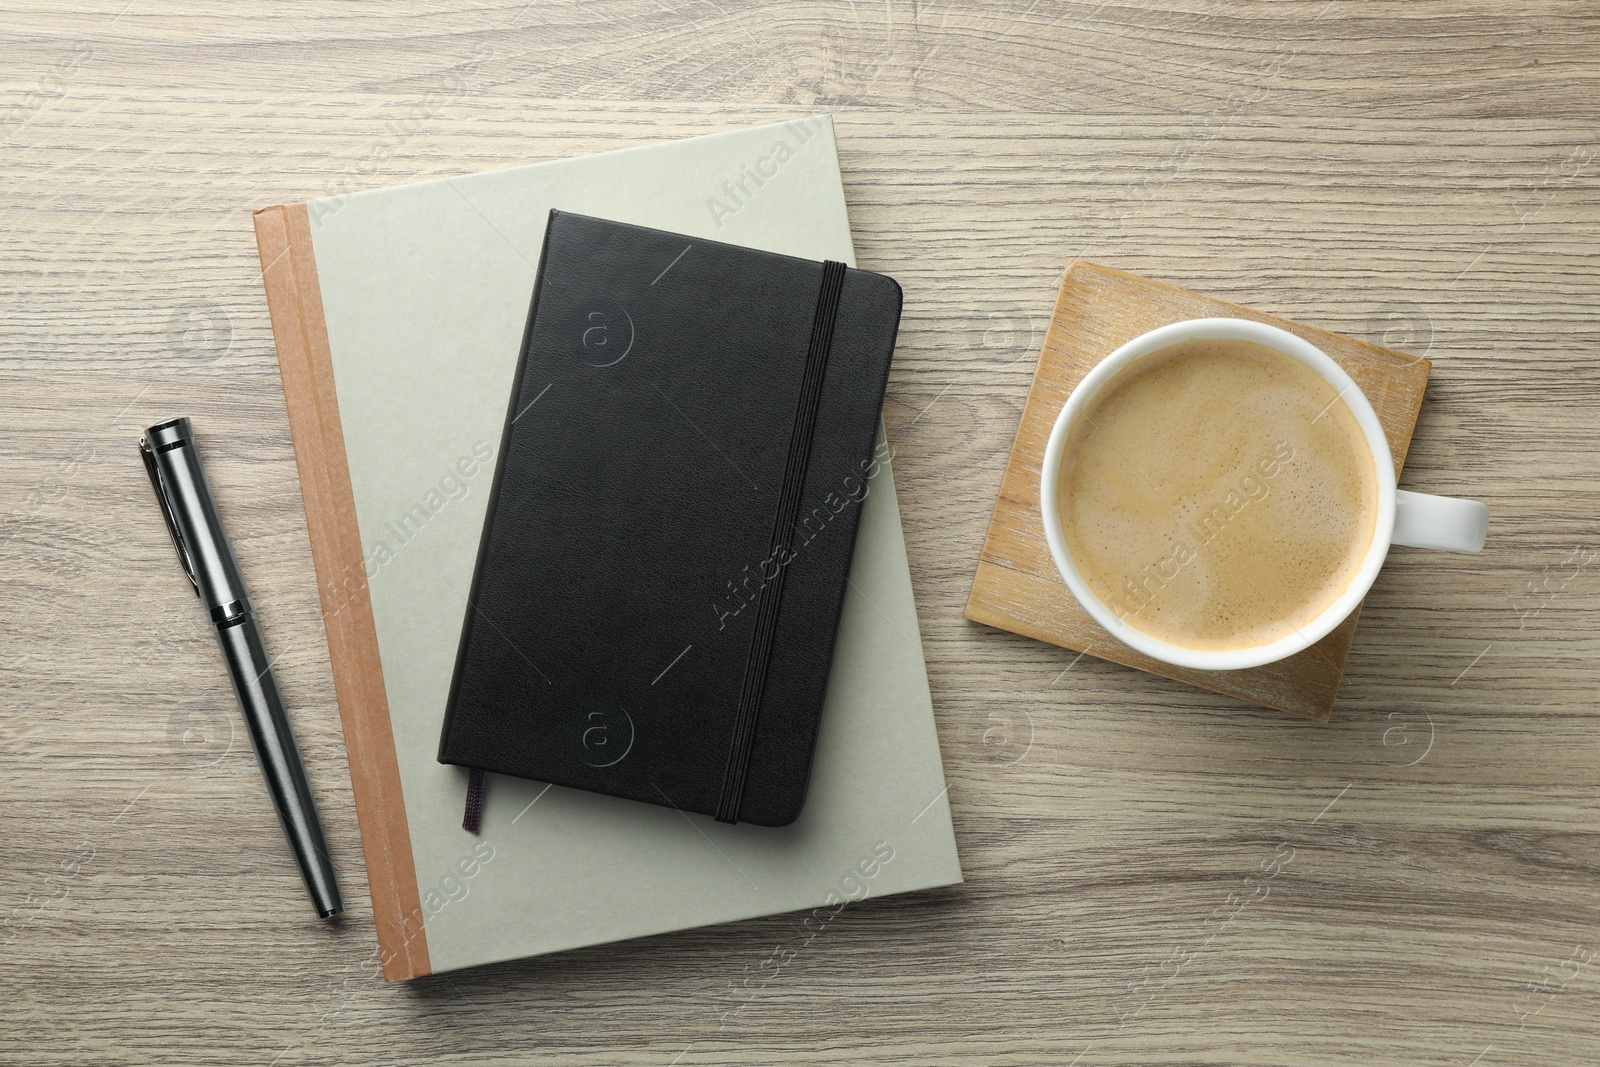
(1218, 494)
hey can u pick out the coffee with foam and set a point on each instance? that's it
(1218, 494)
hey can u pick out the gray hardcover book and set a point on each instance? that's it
(398, 316)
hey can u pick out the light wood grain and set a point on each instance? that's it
(1410, 172)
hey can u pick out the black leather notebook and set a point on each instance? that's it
(667, 545)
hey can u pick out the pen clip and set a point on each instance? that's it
(166, 512)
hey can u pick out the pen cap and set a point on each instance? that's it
(185, 493)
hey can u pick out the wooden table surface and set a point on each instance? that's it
(1155, 875)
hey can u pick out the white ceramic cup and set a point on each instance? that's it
(1413, 519)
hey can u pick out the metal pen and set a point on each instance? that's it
(172, 460)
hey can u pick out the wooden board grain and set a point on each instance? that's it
(1017, 586)
(1156, 874)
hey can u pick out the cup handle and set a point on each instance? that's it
(1451, 523)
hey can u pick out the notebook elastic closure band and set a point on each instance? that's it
(789, 496)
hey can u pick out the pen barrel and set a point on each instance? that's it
(191, 510)
(281, 765)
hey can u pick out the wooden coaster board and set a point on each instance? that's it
(1017, 586)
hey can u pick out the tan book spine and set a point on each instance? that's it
(294, 300)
